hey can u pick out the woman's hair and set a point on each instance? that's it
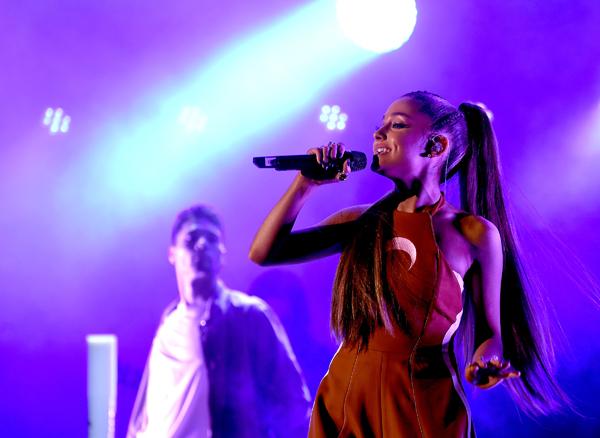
(362, 301)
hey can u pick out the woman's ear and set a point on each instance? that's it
(436, 145)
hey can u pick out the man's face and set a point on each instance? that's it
(197, 255)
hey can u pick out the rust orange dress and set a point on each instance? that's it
(405, 383)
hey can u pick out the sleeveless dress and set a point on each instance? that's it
(405, 383)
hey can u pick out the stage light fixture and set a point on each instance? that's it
(333, 118)
(56, 120)
(377, 25)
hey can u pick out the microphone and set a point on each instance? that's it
(309, 166)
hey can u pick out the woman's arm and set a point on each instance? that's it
(276, 243)
(280, 220)
(487, 367)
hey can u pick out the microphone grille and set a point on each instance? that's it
(358, 160)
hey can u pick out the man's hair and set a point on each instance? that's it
(195, 213)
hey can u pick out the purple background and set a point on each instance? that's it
(84, 248)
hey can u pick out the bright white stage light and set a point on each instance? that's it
(377, 25)
(56, 120)
(333, 118)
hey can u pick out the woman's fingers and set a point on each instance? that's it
(326, 157)
(343, 175)
(332, 151)
(481, 362)
(508, 372)
(329, 152)
(326, 152)
(488, 373)
(495, 361)
(317, 152)
(471, 372)
(503, 368)
(340, 149)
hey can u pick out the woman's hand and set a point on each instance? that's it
(328, 172)
(488, 373)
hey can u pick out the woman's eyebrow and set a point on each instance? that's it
(399, 113)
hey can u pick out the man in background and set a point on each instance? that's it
(220, 364)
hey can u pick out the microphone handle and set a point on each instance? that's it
(309, 166)
(297, 162)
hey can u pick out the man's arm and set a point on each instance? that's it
(283, 392)
(139, 417)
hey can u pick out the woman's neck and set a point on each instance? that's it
(416, 195)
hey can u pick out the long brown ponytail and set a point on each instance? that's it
(526, 336)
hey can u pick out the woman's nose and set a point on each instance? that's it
(379, 134)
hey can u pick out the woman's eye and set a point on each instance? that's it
(398, 125)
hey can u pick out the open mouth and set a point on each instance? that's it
(381, 150)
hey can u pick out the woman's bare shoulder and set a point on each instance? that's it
(477, 230)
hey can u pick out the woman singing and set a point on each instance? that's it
(410, 264)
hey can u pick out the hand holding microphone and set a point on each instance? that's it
(327, 164)
(333, 165)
